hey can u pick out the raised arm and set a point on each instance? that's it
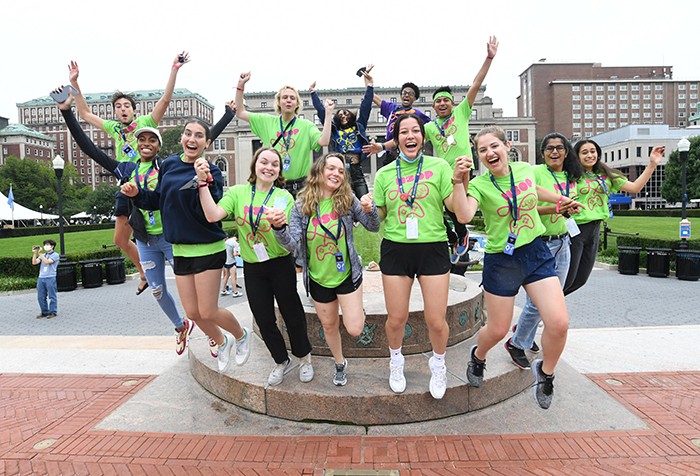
(212, 211)
(657, 154)
(228, 116)
(240, 106)
(325, 138)
(491, 50)
(162, 105)
(81, 104)
(366, 104)
(318, 104)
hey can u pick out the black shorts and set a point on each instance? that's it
(121, 205)
(184, 266)
(229, 266)
(323, 294)
(414, 259)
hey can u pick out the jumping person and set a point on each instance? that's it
(322, 221)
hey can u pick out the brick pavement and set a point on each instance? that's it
(46, 428)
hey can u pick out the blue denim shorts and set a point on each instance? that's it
(504, 275)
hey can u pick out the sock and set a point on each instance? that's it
(245, 336)
(223, 346)
(477, 359)
(438, 360)
(396, 357)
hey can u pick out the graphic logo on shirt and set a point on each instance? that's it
(592, 189)
(450, 129)
(527, 201)
(347, 139)
(150, 179)
(314, 232)
(422, 191)
(287, 139)
(262, 235)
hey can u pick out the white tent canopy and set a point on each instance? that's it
(20, 213)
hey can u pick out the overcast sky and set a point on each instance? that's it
(130, 45)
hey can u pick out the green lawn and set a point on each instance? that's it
(665, 228)
(75, 242)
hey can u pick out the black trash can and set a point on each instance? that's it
(91, 273)
(628, 259)
(66, 277)
(658, 262)
(115, 270)
(688, 265)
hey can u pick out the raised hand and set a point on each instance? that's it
(312, 88)
(65, 105)
(657, 155)
(181, 59)
(130, 189)
(365, 74)
(232, 105)
(201, 166)
(492, 47)
(367, 203)
(329, 105)
(73, 71)
(244, 78)
(276, 216)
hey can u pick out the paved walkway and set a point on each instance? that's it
(99, 390)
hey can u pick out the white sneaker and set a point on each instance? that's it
(438, 380)
(397, 381)
(237, 294)
(278, 373)
(223, 357)
(243, 348)
(306, 371)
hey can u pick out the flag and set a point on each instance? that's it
(11, 199)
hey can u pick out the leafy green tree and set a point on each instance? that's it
(171, 141)
(671, 189)
(102, 199)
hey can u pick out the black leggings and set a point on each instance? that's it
(357, 180)
(584, 249)
(266, 282)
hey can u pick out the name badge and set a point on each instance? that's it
(280, 203)
(572, 227)
(339, 262)
(286, 163)
(129, 151)
(260, 252)
(510, 244)
(151, 217)
(450, 140)
(412, 228)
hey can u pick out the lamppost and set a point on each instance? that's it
(94, 214)
(41, 210)
(58, 164)
(683, 148)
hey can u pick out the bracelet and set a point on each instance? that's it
(177, 65)
(556, 208)
(489, 57)
(203, 184)
(456, 181)
(240, 89)
(383, 145)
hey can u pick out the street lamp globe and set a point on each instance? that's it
(684, 145)
(59, 163)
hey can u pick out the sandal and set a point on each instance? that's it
(142, 287)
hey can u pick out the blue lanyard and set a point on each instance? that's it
(145, 179)
(326, 230)
(603, 184)
(556, 182)
(287, 139)
(255, 224)
(441, 128)
(409, 201)
(512, 205)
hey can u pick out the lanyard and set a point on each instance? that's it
(255, 224)
(287, 140)
(122, 132)
(512, 205)
(441, 128)
(556, 182)
(145, 177)
(403, 195)
(326, 230)
(603, 184)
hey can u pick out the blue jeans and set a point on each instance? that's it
(46, 288)
(530, 317)
(152, 256)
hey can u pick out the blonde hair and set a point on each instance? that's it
(496, 131)
(278, 108)
(310, 195)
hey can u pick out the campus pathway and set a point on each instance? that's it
(99, 390)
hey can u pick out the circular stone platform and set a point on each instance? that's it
(367, 398)
(464, 317)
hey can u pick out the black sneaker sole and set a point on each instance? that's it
(521, 366)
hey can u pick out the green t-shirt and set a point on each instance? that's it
(195, 250)
(321, 247)
(434, 186)
(592, 196)
(148, 179)
(554, 224)
(122, 135)
(302, 137)
(494, 206)
(236, 201)
(455, 126)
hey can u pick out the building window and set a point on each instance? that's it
(611, 97)
(393, 100)
(635, 106)
(599, 115)
(658, 115)
(600, 106)
(681, 114)
(681, 87)
(693, 96)
(600, 125)
(659, 96)
(588, 106)
(380, 118)
(576, 107)
(612, 115)
(623, 87)
(681, 105)
(635, 97)
(576, 125)
(658, 106)
(576, 116)
(647, 96)
(513, 136)
(635, 115)
(587, 88)
(599, 87)
(348, 101)
(646, 87)
(599, 97)
(623, 106)
(681, 96)
(576, 97)
(612, 125)
(693, 87)
(647, 105)
(576, 88)
(623, 115)
(635, 87)
(306, 102)
(611, 106)
(647, 115)
(588, 115)
(588, 125)
(659, 87)
(588, 97)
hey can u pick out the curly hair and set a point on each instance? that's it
(310, 195)
(279, 181)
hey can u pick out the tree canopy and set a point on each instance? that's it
(671, 186)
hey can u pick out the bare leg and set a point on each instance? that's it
(328, 315)
(224, 279)
(549, 299)
(206, 286)
(397, 293)
(500, 315)
(188, 297)
(434, 290)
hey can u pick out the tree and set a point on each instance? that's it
(671, 189)
(102, 198)
(171, 141)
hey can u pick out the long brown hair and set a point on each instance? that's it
(310, 196)
(279, 181)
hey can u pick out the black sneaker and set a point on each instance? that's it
(533, 348)
(543, 388)
(517, 355)
(340, 378)
(475, 369)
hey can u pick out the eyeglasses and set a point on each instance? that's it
(552, 148)
(408, 92)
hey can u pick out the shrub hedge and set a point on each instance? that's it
(47, 230)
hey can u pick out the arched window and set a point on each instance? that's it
(514, 155)
(223, 166)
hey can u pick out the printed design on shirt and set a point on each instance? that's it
(450, 129)
(395, 115)
(555, 217)
(288, 137)
(264, 233)
(314, 231)
(593, 191)
(527, 201)
(151, 179)
(404, 210)
(347, 139)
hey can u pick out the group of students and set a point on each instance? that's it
(291, 205)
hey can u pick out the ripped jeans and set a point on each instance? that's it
(152, 256)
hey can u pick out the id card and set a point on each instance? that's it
(280, 203)
(572, 227)
(450, 140)
(286, 163)
(151, 217)
(129, 151)
(411, 228)
(339, 262)
(260, 252)
(510, 244)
